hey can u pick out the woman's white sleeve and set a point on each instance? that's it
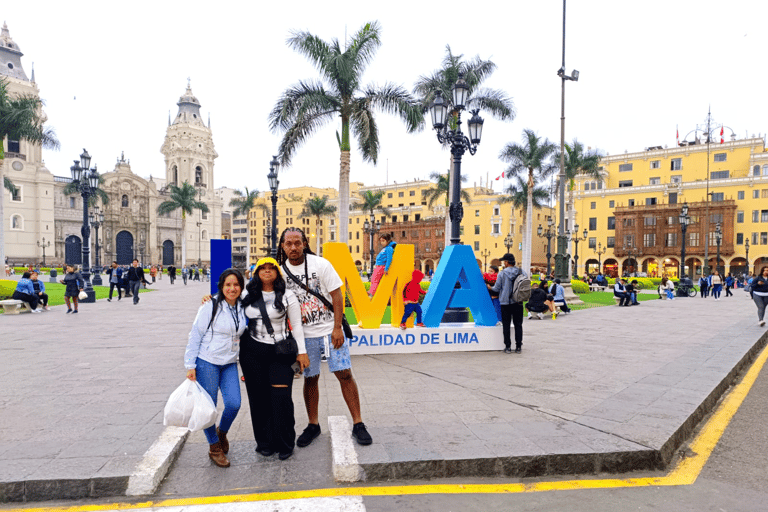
(199, 326)
(294, 315)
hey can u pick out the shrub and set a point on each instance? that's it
(579, 286)
(7, 287)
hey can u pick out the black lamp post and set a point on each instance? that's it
(718, 239)
(44, 245)
(548, 234)
(577, 239)
(485, 253)
(746, 248)
(371, 227)
(449, 131)
(274, 165)
(684, 219)
(97, 219)
(508, 240)
(600, 251)
(87, 180)
(199, 232)
(632, 253)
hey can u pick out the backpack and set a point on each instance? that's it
(521, 288)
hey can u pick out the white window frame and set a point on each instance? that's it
(21, 221)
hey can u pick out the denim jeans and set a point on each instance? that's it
(761, 302)
(214, 377)
(670, 295)
(134, 286)
(411, 309)
(716, 289)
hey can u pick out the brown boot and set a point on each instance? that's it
(217, 455)
(223, 440)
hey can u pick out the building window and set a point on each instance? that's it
(611, 223)
(756, 170)
(611, 242)
(198, 175)
(477, 246)
(650, 201)
(764, 194)
(16, 195)
(630, 202)
(592, 243)
(592, 205)
(412, 193)
(333, 236)
(718, 197)
(389, 195)
(721, 157)
(654, 181)
(477, 213)
(755, 194)
(693, 239)
(629, 240)
(676, 164)
(71, 202)
(764, 216)
(611, 204)
(427, 247)
(496, 210)
(477, 229)
(628, 223)
(765, 170)
(739, 238)
(400, 194)
(592, 223)
(671, 240)
(740, 195)
(405, 218)
(673, 198)
(676, 179)
(625, 167)
(764, 238)
(719, 175)
(394, 218)
(13, 145)
(495, 228)
(649, 221)
(755, 215)
(626, 183)
(754, 239)
(649, 239)
(740, 217)
(17, 223)
(655, 164)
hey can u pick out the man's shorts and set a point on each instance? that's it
(338, 359)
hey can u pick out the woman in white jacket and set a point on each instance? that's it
(668, 287)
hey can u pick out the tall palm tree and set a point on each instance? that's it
(317, 207)
(533, 157)
(305, 108)
(371, 202)
(21, 118)
(243, 203)
(442, 190)
(578, 163)
(73, 188)
(185, 199)
(516, 194)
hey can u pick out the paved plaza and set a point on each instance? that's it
(601, 390)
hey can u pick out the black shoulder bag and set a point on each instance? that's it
(288, 346)
(344, 323)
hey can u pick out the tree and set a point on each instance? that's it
(73, 188)
(185, 199)
(317, 207)
(243, 203)
(534, 158)
(441, 189)
(371, 202)
(305, 108)
(475, 71)
(517, 195)
(21, 118)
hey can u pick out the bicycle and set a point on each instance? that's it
(685, 291)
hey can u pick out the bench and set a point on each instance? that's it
(596, 288)
(14, 307)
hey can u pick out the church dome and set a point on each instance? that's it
(189, 108)
(10, 56)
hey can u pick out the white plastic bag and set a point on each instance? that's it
(190, 406)
(82, 295)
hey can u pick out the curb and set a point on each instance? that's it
(157, 461)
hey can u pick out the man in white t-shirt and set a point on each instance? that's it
(323, 333)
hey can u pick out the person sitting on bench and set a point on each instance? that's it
(40, 290)
(25, 292)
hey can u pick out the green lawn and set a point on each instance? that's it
(55, 293)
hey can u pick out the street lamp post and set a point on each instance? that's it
(600, 251)
(548, 234)
(274, 166)
(87, 180)
(684, 220)
(97, 219)
(632, 252)
(371, 227)
(718, 239)
(44, 245)
(508, 240)
(199, 232)
(141, 255)
(577, 239)
(485, 253)
(449, 131)
(746, 248)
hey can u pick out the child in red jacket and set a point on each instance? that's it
(411, 294)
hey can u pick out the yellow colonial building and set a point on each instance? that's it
(632, 217)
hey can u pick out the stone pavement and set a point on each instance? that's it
(604, 389)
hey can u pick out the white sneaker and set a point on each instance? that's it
(760, 323)
(530, 315)
(540, 315)
(37, 310)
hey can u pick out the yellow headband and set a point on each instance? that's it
(264, 261)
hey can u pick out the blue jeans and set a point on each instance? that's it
(135, 286)
(409, 310)
(670, 295)
(716, 290)
(214, 377)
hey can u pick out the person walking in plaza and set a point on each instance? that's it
(25, 292)
(729, 281)
(74, 283)
(704, 286)
(268, 374)
(760, 294)
(153, 273)
(511, 312)
(39, 287)
(716, 283)
(184, 274)
(171, 273)
(115, 274)
(558, 294)
(620, 291)
(318, 288)
(135, 279)
(383, 261)
(211, 357)
(540, 302)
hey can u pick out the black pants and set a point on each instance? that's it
(172, 278)
(728, 291)
(31, 299)
(272, 415)
(624, 298)
(112, 286)
(44, 299)
(512, 314)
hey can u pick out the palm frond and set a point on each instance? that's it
(364, 128)
(9, 186)
(394, 99)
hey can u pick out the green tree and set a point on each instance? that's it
(532, 157)
(441, 191)
(517, 195)
(182, 198)
(371, 202)
(243, 203)
(305, 108)
(72, 188)
(317, 207)
(21, 118)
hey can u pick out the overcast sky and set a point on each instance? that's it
(110, 73)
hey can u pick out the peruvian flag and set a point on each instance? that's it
(500, 176)
(721, 135)
(677, 135)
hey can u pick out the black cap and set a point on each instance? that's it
(509, 257)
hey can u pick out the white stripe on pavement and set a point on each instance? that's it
(345, 465)
(333, 504)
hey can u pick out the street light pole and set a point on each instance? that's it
(600, 251)
(577, 239)
(508, 240)
(44, 245)
(746, 248)
(718, 239)
(449, 131)
(199, 232)
(485, 253)
(87, 180)
(97, 218)
(548, 234)
(273, 184)
(684, 220)
(371, 227)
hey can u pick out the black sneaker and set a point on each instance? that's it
(285, 456)
(361, 434)
(518, 350)
(309, 435)
(266, 452)
(508, 350)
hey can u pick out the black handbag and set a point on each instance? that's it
(287, 346)
(344, 323)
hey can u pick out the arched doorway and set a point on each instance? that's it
(693, 268)
(429, 265)
(611, 267)
(591, 267)
(738, 266)
(629, 267)
(124, 248)
(650, 267)
(671, 268)
(73, 250)
(168, 253)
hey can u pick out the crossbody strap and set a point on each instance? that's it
(307, 288)
(265, 317)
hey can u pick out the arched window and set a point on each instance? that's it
(765, 170)
(125, 201)
(204, 235)
(756, 170)
(17, 222)
(198, 175)
(175, 175)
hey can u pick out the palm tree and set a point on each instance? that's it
(73, 188)
(441, 189)
(184, 198)
(317, 207)
(243, 203)
(21, 118)
(578, 163)
(533, 157)
(371, 201)
(306, 107)
(517, 195)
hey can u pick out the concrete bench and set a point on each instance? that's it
(14, 307)
(596, 288)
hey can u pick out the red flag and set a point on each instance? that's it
(721, 135)
(677, 135)
(501, 176)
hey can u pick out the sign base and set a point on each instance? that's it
(448, 337)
